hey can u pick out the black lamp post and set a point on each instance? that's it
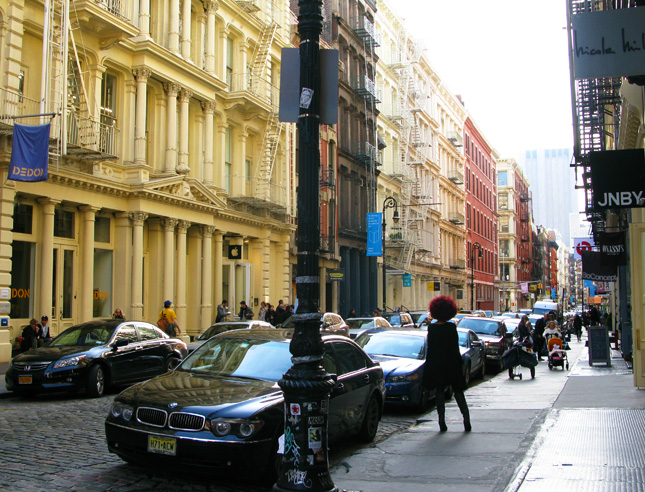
(306, 385)
(475, 246)
(389, 202)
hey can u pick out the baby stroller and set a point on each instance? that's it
(520, 354)
(557, 354)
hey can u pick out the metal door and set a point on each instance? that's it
(64, 305)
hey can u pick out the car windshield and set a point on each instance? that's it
(394, 319)
(393, 344)
(240, 357)
(219, 328)
(542, 311)
(418, 317)
(481, 326)
(360, 323)
(87, 334)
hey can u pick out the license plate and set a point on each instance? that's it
(24, 379)
(162, 445)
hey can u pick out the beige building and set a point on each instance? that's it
(169, 174)
(421, 123)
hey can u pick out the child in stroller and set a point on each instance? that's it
(557, 354)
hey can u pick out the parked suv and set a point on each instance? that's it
(331, 323)
(399, 319)
(493, 332)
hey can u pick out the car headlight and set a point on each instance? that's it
(242, 428)
(71, 361)
(121, 410)
(405, 378)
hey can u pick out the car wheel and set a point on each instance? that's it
(171, 363)
(96, 381)
(370, 421)
(467, 375)
(482, 372)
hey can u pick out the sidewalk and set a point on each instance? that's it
(577, 430)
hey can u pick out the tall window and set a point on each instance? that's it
(22, 279)
(503, 201)
(502, 178)
(503, 224)
(229, 62)
(108, 113)
(229, 160)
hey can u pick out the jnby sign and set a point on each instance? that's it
(618, 178)
(608, 43)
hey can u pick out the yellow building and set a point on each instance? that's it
(169, 174)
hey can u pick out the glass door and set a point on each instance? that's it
(64, 288)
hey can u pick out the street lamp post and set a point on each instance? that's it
(389, 202)
(476, 246)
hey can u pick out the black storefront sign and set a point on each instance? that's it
(618, 178)
(234, 252)
(594, 270)
(612, 248)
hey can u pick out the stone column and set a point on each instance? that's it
(171, 128)
(144, 19)
(94, 89)
(239, 168)
(141, 74)
(285, 286)
(222, 55)
(207, 276)
(186, 24)
(208, 108)
(47, 257)
(122, 294)
(169, 257)
(221, 175)
(218, 277)
(265, 251)
(180, 296)
(211, 8)
(184, 100)
(246, 83)
(138, 220)
(87, 262)
(173, 27)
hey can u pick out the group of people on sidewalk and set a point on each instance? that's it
(276, 315)
(35, 334)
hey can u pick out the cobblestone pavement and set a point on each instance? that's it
(57, 443)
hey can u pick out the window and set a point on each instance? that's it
(503, 224)
(149, 333)
(108, 113)
(349, 359)
(102, 302)
(229, 62)
(22, 279)
(229, 160)
(127, 332)
(502, 178)
(102, 230)
(22, 218)
(21, 84)
(64, 223)
(503, 201)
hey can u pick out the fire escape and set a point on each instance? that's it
(596, 120)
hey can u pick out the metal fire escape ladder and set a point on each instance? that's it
(260, 58)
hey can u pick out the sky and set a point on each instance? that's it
(507, 59)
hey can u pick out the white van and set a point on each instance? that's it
(546, 306)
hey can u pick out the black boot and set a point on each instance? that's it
(442, 424)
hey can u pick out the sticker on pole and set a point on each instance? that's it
(306, 95)
(295, 409)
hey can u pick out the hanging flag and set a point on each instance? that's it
(612, 248)
(594, 270)
(29, 152)
(524, 288)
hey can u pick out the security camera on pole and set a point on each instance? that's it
(307, 385)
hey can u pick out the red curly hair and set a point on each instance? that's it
(443, 308)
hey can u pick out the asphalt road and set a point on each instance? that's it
(57, 443)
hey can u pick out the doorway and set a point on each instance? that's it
(64, 305)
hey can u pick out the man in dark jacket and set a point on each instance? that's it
(246, 312)
(538, 335)
(30, 336)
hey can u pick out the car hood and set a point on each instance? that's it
(397, 365)
(205, 394)
(51, 353)
(489, 338)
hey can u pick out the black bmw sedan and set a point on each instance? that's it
(94, 355)
(221, 409)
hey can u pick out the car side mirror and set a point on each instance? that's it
(122, 342)
(476, 343)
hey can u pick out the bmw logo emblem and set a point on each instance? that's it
(172, 405)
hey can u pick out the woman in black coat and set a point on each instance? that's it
(444, 365)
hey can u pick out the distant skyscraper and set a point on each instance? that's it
(552, 184)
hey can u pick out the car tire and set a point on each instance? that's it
(482, 371)
(171, 363)
(96, 381)
(369, 428)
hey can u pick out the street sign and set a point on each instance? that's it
(392, 271)
(407, 280)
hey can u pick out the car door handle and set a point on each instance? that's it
(138, 347)
(366, 378)
(340, 387)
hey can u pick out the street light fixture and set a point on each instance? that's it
(475, 246)
(389, 202)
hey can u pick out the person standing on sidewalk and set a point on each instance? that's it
(444, 365)
(168, 314)
(577, 326)
(538, 335)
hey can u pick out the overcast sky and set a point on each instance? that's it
(507, 59)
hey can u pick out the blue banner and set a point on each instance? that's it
(374, 234)
(407, 280)
(29, 152)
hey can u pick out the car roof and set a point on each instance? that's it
(400, 331)
(274, 334)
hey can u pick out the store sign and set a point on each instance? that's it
(336, 275)
(608, 43)
(581, 244)
(618, 178)
(613, 250)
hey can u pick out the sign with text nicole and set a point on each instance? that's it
(618, 178)
(608, 43)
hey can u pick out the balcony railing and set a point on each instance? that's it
(256, 87)
(365, 29)
(366, 87)
(455, 138)
(458, 264)
(258, 193)
(15, 104)
(456, 176)
(456, 218)
(91, 139)
(366, 152)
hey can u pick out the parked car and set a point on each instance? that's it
(420, 317)
(94, 355)
(331, 323)
(399, 319)
(493, 333)
(222, 409)
(223, 326)
(511, 324)
(359, 325)
(473, 352)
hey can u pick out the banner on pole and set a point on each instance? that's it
(594, 270)
(29, 152)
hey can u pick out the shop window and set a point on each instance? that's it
(64, 223)
(22, 279)
(102, 303)
(22, 218)
(102, 229)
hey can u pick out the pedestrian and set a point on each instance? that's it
(352, 314)
(30, 336)
(168, 320)
(222, 311)
(577, 326)
(246, 312)
(279, 313)
(538, 335)
(288, 312)
(524, 330)
(444, 365)
(262, 313)
(45, 331)
(552, 331)
(269, 316)
(118, 314)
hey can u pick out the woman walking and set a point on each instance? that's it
(444, 365)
